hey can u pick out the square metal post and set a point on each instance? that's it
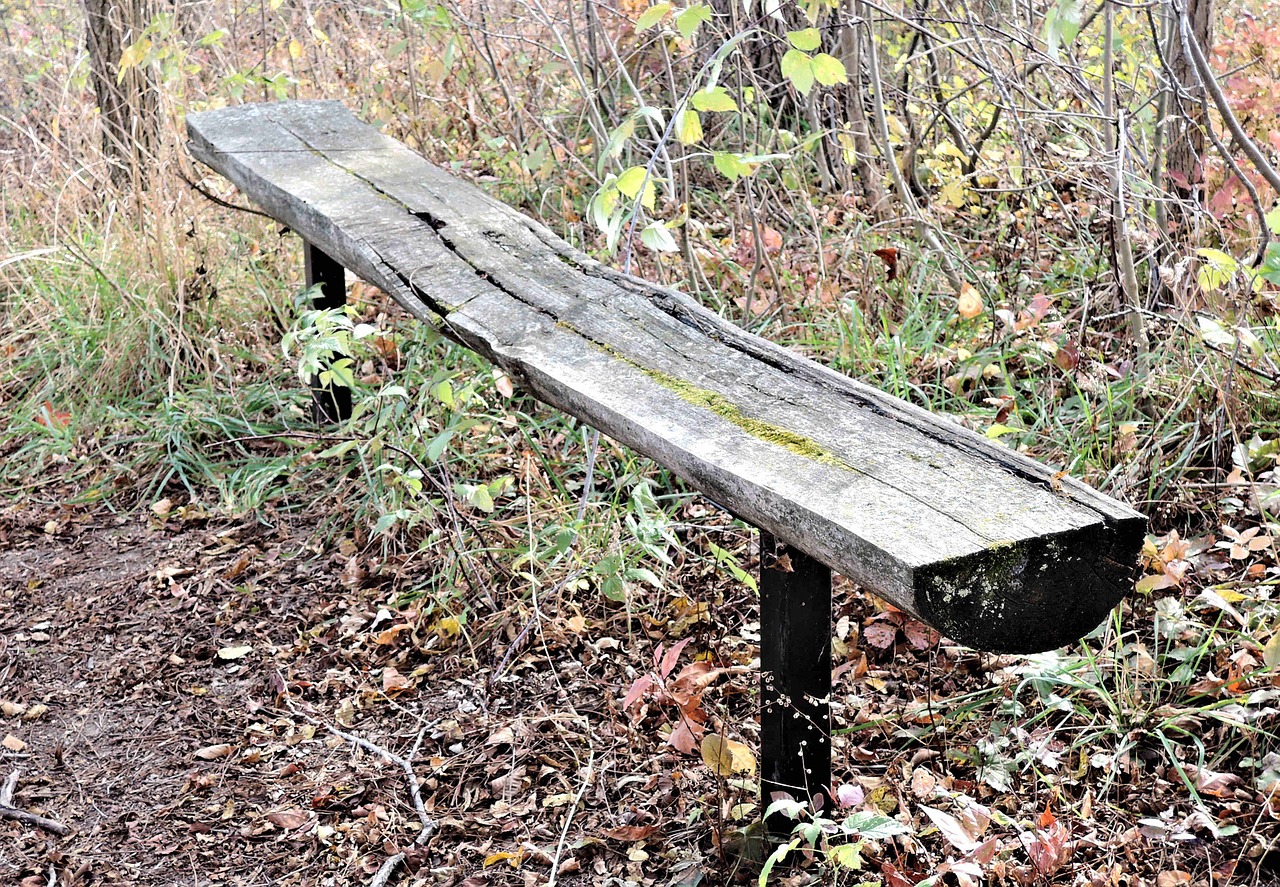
(795, 677)
(329, 403)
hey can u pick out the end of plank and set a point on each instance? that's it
(1036, 594)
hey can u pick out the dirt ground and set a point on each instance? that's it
(143, 675)
(170, 688)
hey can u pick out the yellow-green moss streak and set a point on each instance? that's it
(728, 410)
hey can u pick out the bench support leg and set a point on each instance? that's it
(329, 403)
(795, 677)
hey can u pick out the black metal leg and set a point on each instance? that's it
(329, 403)
(795, 677)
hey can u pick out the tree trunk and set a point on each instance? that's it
(127, 104)
(846, 149)
(1186, 129)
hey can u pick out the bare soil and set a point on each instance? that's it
(167, 693)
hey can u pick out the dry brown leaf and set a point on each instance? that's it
(389, 636)
(630, 832)
(923, 783)
(1173, 878)
(969, 303)
(502, 382)
(288, 819)
(393, 682)
(13, 743)
(682, 736)
(214, 752)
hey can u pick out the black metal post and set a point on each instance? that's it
(329, 403)
(795, 677)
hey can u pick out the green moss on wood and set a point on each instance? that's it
(728, 410)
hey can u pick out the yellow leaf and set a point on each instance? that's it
(1271, 652)
(952, 193)
(727, 757)
(690, 128)
(295, 49)
(970, 302)
(133, 55)
(513, 858)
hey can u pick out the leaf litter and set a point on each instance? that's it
(621, 746)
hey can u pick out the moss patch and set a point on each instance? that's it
(728, 410)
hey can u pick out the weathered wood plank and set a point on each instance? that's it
(985, 544)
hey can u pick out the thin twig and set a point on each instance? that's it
(568, 819)
(8, 811)
(1114, 140)
(924, 228)
(210, 196)
(388, 868)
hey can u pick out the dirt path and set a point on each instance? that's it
(141, 675)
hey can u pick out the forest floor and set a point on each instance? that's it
(170, 693)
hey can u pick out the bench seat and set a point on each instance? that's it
(993, 549)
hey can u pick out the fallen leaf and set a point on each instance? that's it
(13, 743)
(389, 636)
(1271, 652)
(849, 795)
(682, 736)
(952, 829)
(288, 819)
(1219, 785)
(213, 752)
(51, 418)
(923, 783)
(393, 682)
(969, 303)
(630, 832)
(234, 652)
(1173, 878)
(726, 756)
(502, 382)
(34, 712)
(162, 507)
(888, 255)
(880, 635)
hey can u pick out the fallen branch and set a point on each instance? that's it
(8, 811)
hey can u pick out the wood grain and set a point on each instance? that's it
(986, 545)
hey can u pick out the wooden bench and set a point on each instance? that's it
(993, 549)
